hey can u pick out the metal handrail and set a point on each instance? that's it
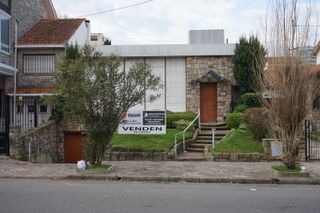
(184, 136)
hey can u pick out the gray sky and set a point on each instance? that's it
(166, 21)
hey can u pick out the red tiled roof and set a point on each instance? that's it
(31, 90)
(50, 31)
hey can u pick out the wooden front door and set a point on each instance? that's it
(208, 102)
(73, 147)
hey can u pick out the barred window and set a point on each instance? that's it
(38, 63)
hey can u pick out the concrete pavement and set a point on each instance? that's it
(167, 171)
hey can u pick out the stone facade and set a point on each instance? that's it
(199, 66)
(39, 79)
(47, 141)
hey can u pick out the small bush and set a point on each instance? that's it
(234, 119)
(255, 120)
(250, 100)
(182, 124)
(240, 108)
(176, 116)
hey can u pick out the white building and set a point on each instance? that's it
(194, 76)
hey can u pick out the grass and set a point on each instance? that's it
(241, 141)
(282, 168)
(161, 143)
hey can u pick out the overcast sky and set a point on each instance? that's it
(166, 21)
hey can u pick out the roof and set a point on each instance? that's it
(168, 50)
(31, 90)
(212, 76)
(51, 32)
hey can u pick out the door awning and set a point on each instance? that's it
(212, 76)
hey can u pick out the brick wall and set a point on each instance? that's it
(198, 66)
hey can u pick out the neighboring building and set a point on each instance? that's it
(196, 76)
(25, 13)
(97, 39)
(316, 53)
(39, 50)
(305, 54)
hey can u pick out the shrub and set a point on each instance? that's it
(250, 100)
(182, 124)
(240, 108)
(255, 120)
(176, 116)
(234, 119)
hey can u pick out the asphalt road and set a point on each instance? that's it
(91, 196)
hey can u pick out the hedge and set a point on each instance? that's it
(176, 116)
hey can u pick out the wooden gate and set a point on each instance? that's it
(208, 102)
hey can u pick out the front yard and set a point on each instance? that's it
(240, 141)
(159, 143)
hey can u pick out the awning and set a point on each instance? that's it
(31, 91)
(212, 76)
(7, 70)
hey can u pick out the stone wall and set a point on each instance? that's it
(197, 67)
(47, 141)
(46, 145)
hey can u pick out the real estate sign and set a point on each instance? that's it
(143, 122)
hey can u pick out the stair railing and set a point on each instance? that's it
(184, 135)
(213, 130)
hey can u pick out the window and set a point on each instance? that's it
(38, 64)
(4, 32)
(43, 109)
(94, 38)
(19, 108)
(30, 108)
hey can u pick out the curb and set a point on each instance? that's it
(173, 179)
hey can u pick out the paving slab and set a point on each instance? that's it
(162, 171)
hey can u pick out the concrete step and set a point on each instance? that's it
(217, 133)
(198, 145)
(208, 137)
(194, 149)
(204, 128)
(213, 124)
(204, 141)
(190, 156)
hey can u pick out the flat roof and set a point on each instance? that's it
(167, 50)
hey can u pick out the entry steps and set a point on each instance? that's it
(204, 137)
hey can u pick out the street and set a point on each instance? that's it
(98, 196)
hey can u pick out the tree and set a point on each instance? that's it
(293, 84)
(247, 66)
(96, 91)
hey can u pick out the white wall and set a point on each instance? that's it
(80, 36)
(157, 66)
(318, 58)
(176, 84)
(172, 73)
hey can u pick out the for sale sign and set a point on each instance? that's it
(143, 122)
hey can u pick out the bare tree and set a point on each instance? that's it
(287, 75)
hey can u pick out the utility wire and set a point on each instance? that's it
(118, 8)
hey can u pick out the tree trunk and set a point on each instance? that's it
(289, 162)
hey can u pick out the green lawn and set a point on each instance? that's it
(241, 141)
(99, 167)
(148, 142)
(282, 168)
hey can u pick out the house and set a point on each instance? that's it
(97, 39)
(197, 76)
(39, 50)
(16, 18)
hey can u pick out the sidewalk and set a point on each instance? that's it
(162, 171)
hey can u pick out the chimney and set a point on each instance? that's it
(88, 26)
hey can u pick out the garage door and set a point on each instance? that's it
(73, 147)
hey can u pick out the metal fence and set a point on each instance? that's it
(31, 112)
(312, 140)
